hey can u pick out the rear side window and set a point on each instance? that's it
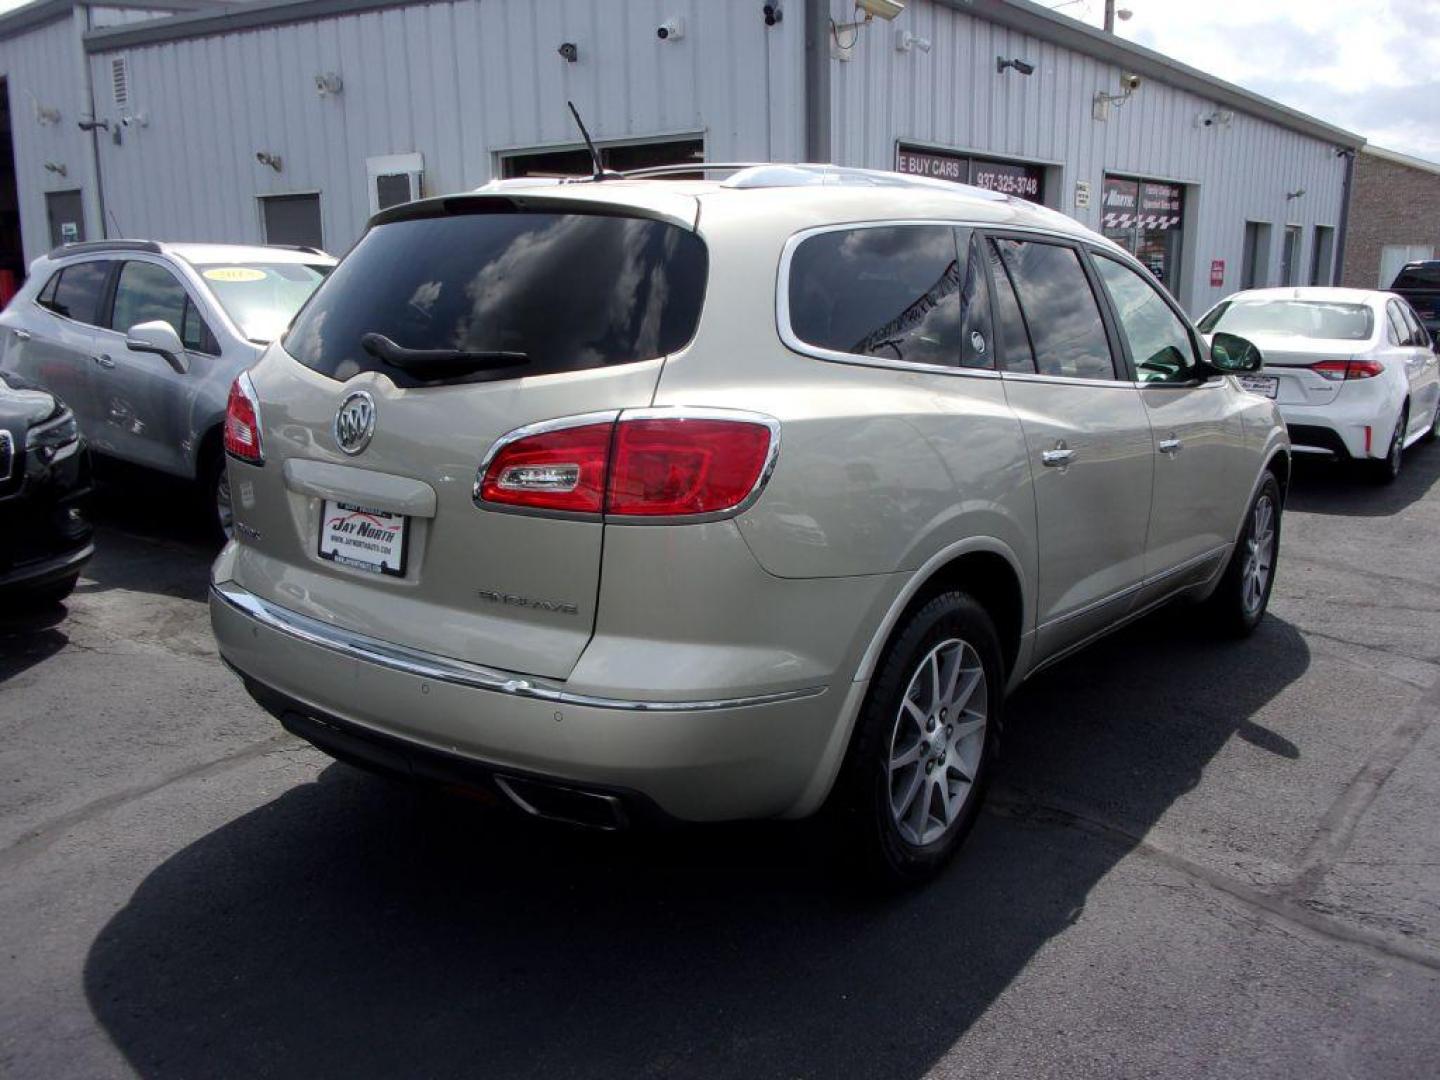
(569, 291)
(1418, 334)
(80, 290)
(897, 292)
(1419, 276)
(1060, 309)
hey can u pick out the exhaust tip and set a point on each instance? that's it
(573, 806)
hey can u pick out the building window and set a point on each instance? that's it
(1394, 256)
(293, 220)
(1018, 178)
(621, 157)
(1322, 256)
(1147, 218)
(1290, 256)
(1255, 261)
(394, 179)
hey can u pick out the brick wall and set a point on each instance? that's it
(1391, 203)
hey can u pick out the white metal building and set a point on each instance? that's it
(292, 120)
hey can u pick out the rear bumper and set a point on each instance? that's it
(694, 760)
(1339, 427)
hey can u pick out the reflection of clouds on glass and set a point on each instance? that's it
(424, 296)
(1061, 312)
(309, 345)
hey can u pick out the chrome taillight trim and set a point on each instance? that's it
(659, 412)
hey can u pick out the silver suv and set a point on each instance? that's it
(143, 340)
(714, 500)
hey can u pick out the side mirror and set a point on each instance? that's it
(160, 338)
(1231, 354)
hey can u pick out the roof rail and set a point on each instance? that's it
(699, 166)
(300, 247)
(93, 247)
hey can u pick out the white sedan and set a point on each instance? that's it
(1353, 370)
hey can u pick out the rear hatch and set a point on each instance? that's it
(561, 306)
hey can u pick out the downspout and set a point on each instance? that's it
(817, 80)
(94, 136)
(1337, 271)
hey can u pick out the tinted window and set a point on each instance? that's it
(195, 334)
(1060, 310)
(262, 298)
(571, 291)
(1014, 341)
(1160, 345)
(147, 293)
(1399, 332)
(977, 349)
(46, 296)
(1296, 318)
(892, 292)
(1418, 334)
(1419, 276)
(80, 291)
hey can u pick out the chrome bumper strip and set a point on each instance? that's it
(427, 665)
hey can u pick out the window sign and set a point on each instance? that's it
(1017, 178)
(1146, 217)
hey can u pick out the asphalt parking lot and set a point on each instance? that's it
(1200, 858)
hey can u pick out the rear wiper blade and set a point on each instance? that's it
(439, 363)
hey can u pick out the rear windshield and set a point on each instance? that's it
(262, 298)
(1420, 276)
(569, 291)
(1297, 318)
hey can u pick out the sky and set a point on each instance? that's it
(1371, 67)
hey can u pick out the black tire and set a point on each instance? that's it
(1387, 469)
(1233, 607)
(49, 595)
(213, 480)
(861, 805)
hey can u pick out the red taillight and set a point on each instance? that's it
(552, 470)
(1339, 370)
(242, 422)
(639, 466)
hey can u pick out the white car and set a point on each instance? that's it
(1353, 370)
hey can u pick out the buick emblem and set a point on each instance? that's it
(355, 422)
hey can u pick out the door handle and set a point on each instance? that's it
(1171, 446)
(22, 335)
(1057, 458)
(104, 361)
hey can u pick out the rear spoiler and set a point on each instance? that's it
(647, 202)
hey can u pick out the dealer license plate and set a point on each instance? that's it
(1268, 385)
(364, 538)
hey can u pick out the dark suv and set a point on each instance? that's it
(1419, 283)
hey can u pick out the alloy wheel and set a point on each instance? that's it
(937, 741)
(1259, 554)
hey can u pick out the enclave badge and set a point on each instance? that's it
(355, 422)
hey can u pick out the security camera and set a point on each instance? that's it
(1022, 67)
(1130, 82)
(773, 14)
(569, 51)
(880, 9)
(671, 30)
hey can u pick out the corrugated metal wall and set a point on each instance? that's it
(459, 82)
(952, 97)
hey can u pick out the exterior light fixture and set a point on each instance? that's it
(1100, 107)
(45, 115)
(328, 84)
(1019, 65)
(843, 48)
(268, 159)
(905, 40)
(773, 13)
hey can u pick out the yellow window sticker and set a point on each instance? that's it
(235, 273)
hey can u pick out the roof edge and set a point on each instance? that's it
(1040, 22)
(43, 12)
(248, 16)
(1402, 159)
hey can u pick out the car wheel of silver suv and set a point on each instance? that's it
(924, 741)
(1239, 602)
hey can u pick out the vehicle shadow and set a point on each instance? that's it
(355, 927)
(150, 536)
(1342, 489)
(29, 636)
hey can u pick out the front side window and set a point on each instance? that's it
(1061, 314)
(539, 293)
(893, 292)
(148, 293)
(1160, 345)
(1014, 340)
(80, 290)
